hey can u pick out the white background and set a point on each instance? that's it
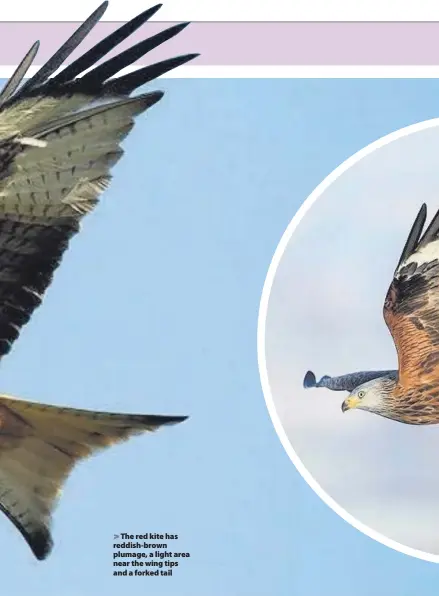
(227, 10)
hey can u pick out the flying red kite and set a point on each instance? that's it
(59, 138)
(411, 311)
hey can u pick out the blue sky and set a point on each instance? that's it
(155, 309)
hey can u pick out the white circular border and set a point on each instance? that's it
(304, 208)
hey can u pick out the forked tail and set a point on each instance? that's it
(40, 445)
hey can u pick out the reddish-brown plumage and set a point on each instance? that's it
(411, 312)
(413, 346)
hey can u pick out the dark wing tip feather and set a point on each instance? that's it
(309, 380)
(41, 543)
(65, 50)
(98, 81)
(102, 48)
(415, 233)
(19, 74)
(163, 420)
(126, 84)
(40, 540)
(149, 99)
(104, 71)
(431, 232)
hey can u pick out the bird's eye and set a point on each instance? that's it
(361, 394)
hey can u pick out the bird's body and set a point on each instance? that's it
(59, 138)
(411, 310)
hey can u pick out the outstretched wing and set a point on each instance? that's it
(411, 308)
(347, 382)
(59, 138)
(39, 446)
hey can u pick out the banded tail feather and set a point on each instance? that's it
(39, 446)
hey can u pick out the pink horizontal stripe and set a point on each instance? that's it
(251, 43)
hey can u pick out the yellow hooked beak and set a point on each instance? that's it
(350, 403)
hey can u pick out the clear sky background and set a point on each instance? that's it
(155, 310)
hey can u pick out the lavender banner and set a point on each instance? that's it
(262, 44)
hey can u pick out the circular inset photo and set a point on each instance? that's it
(348, 340)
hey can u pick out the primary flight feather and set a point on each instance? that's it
(411, 312)
(59, 138)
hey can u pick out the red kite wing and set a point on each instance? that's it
(59, 139)
(411, 308)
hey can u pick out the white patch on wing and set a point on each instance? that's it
(424, 255)
(31, 142)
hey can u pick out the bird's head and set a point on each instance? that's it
(370, 396)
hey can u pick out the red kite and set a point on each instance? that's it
(59, 138)
(411, 311)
